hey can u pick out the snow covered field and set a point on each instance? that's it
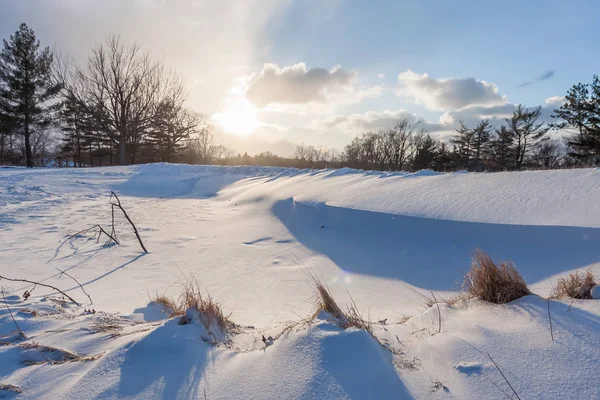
(249, 235)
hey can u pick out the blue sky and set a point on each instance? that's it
(269, 73)
(505, 42)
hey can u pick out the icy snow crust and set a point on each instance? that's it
(249, 235)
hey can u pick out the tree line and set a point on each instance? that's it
(122, 107)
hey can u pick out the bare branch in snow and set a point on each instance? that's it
(118, 204)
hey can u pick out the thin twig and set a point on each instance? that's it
(113, 221)
(100, 232)
(570, 305)
(77, 282)
(439, 313)
(550, 319)
(12, 316)
(118, 204)
(41, 284)
(499, 370)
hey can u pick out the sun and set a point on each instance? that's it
(238, 118)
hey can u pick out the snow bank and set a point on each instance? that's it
(248, 235)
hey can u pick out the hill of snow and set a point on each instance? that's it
(249, 235)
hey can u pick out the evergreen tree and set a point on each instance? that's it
(463, 143)
(526, 132)
(501, 149)
(74, 139)
(425, 153)
(581, 113)
(481, 138)
(26, 87)
(443, 158)
(172, 126)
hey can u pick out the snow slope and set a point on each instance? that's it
(249, 234)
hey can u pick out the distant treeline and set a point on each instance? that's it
(122, 107)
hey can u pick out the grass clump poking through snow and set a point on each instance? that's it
(496, 283)
(168, 304)
(7, 387)
(193, 306)
(325, 302)
(577, 285)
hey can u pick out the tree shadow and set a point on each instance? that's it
(134, 259)
(432, 253)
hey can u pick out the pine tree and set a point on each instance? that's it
(27, 90)
(581, 113)
(501, 149)
(73, 129)
(443, 158)
(526, 132)
(172, 125)
(425, 153)
(464, 144)
(481, 138)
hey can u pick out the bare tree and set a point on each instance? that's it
(548, 154)
(398, 142)
(123, 89)
(201, 147)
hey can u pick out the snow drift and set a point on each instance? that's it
(249, 235)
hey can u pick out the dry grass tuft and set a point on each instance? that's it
(109, 327)
(496, 283)
(456, 300)
(209, 311)
(355, 318)
(577, 285)
(325, 302)
(7, 387)
(169, 304)
(52, 355)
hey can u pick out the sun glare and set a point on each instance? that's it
(238, 118)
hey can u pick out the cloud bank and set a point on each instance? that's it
(296, 84)
(448, 93)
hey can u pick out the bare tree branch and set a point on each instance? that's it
(40, 284)
(12, 316)
(77, 282)
(118, 204)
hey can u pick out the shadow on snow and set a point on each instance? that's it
(432, 253)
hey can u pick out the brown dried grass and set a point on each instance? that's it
(169, 304)
(325, 302)
(10, 388)
(496, 283)
(54, 355)
(210, 311)
(577, 285)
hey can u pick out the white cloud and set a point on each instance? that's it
(495, 114)
(296, 84)
(555, 100)
(370, 121)
(169, 30)
(448, 93)
(381, 75)
(474, 114)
